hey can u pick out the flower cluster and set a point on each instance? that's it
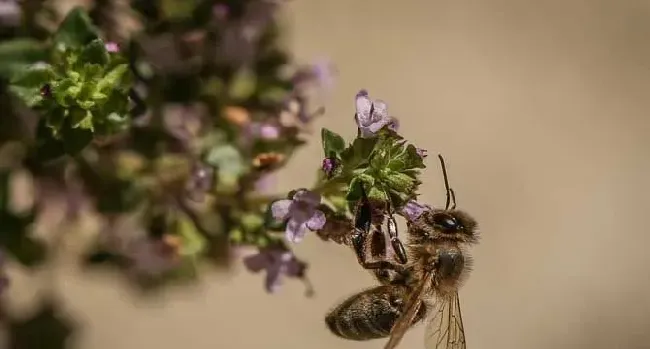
(169, 132)
(165, 123)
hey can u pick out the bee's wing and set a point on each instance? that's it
(411, 309)
(445, 329)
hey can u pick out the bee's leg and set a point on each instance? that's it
(369, 242)
(398, 247)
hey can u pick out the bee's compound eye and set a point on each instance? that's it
(445, 222)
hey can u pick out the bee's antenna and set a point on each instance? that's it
(451, 196)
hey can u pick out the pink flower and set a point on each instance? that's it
(112, 47)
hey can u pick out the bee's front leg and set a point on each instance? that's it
(370, 242)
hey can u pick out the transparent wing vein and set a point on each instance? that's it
(445, 328)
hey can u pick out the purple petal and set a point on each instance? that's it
(295, 268)
(363, 107)
(295, 231)
(280, 209)
(269, 132)
(394, 124)
(273, 278)
(317, 221)
(257, 262)
(379, 110)
(412, 210)
(310, 198)
(422, 152)
(378, 125)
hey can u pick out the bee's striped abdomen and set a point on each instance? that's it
(361, 318)
(370, 314)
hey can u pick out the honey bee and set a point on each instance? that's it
(432, 265)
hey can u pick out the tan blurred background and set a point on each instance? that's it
(542, 110)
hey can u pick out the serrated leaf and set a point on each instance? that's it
(113, 78)
(34, 76)
(358, 153)
(65, 91)
(399, 182)
(76, 29)
(355, 191)
(333, 143)
(92, 72)
(407, 159)
(94, 53)
(80, 118)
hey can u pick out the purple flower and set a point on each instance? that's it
(329, 165)
(262, 130)
(412, 210)
(152, 257)
(371, 116)
(422, 152)
(393, 125)
(320, 75)
(301, 212)
(112, 47)
(240, 38)
(277, 263)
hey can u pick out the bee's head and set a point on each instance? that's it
(449, 224)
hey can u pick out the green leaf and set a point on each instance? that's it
(243, 85)
(81, 118)
(193, 242)
(94, 53)
(355, 191)
(113, 78)
(399, 181)
(227, 159)
(333, 144)
(376, 194)
(30, 96)
(65, 92)
(34, 76)
(357, 154)
(18, 53)
(407, 159)
(76, 30)
(251, 222)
